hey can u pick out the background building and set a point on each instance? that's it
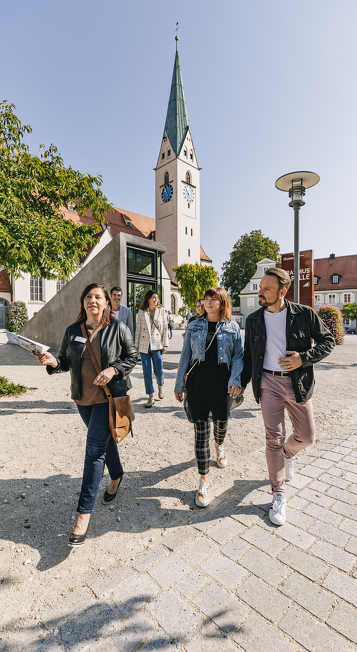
(335, 282)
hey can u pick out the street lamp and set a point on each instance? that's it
(295, 183)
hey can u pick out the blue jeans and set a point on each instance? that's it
(156, 357)
(101, 449)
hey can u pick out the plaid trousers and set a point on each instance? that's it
(202, 435)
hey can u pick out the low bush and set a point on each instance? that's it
(17, 316)
(7, 387)
(333, 320)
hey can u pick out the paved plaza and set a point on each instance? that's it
(216, 580)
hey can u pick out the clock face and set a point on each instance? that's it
(189, 193)
(167, 192)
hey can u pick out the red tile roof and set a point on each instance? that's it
(203, 256)
(344, 266)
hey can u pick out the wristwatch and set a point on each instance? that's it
(116, 372)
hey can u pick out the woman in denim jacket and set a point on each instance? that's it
(212, 356)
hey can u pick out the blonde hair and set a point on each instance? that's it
(223, 297)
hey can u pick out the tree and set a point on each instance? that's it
(34, 236)
(193, 281)
(242, 263)
(332, 318)
(349, 311)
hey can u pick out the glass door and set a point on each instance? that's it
(136, 293)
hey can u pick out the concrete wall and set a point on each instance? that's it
(107, 268)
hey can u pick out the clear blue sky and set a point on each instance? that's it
(270, 88)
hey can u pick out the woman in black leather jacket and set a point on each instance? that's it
(113, 347)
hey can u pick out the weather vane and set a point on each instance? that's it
(176, 30)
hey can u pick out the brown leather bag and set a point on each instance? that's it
(121, 413)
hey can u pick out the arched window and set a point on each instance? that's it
(191, 155)
(185, 152)
(188, 177)
(166, 178)
(5, 302)
(169, 152)
(173, 304)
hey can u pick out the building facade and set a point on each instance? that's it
(249, 295)
(335, 282)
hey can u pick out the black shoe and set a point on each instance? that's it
(76, 540)
(109, 497)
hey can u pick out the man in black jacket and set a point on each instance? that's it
(279, 359)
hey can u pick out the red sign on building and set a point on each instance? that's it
(306, 276)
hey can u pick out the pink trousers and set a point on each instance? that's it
(276, 394)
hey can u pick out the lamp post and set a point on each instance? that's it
(295, 183)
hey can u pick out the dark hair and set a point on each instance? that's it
(145, 302)
(108, 314)
(283, 277)
(223, 297)
(116, 288)
(202, 304)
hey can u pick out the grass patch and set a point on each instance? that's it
(7, 387)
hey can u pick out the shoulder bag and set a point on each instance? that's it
(121, 413)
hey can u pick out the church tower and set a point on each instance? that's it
(177, 183)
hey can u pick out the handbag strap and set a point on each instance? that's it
(93, 358)
(206, 349)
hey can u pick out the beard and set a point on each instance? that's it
(264, 303)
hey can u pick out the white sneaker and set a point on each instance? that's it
(289, 468)
(221, 456)
(277, 510)
(202, 499)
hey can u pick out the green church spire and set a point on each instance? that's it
(176, 125)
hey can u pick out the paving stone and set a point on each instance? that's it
(299, 481)
(225, 530)
(352, 477)
(335, 457)
(263, 598)
(299, 519)
(104, 643)
(319, 486)
(322, 463)
(209, 639)
(303, 563)
(248, 498)
(294, 535)
(255, 635)
(179, 537)
(174, 615)
(349, 526)
(329, 533)
(219, 605)
(313, 598)
(335, 471)
(323, 514)
(344, 450)
(248, 514)
(47, 644)
(66, 607)
(169, 570)
(316, 498)
(204, 523)
(297, 503)
(353, 488)
(133, 595)
(334, 481)
(314, 636)
(196, 550)
(133, 632)
(345, 587)
(344, 620)
(310, 471)
(263, 501)
(158, 642)
(340, 494)
(351, 546)
(346, 466)
(333, 555)
(104, 584)
(191, 584)
(224, 570)
(235, 549)
(263, 540)
(345, 510)
(94, 622)
(270, 570)
(149, 557)
(350, 443)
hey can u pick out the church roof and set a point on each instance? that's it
(176, 125)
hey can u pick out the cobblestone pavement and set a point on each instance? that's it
(227, 579)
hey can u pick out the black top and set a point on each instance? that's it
(207, 384)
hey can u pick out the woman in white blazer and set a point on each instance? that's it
(151, 342)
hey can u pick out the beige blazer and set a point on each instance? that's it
(146, 336)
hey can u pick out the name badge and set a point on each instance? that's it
(80, 339)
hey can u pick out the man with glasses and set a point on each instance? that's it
(122, 313)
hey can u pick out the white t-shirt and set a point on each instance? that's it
(275, 324)
(116, 313)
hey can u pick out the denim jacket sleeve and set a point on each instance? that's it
(185, 358)
(236, 361)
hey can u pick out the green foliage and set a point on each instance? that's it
(34, 236)
(193, 281)
(349, 311)
(17, 316)
(332, 318)
(7, 387)
(242, 263)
